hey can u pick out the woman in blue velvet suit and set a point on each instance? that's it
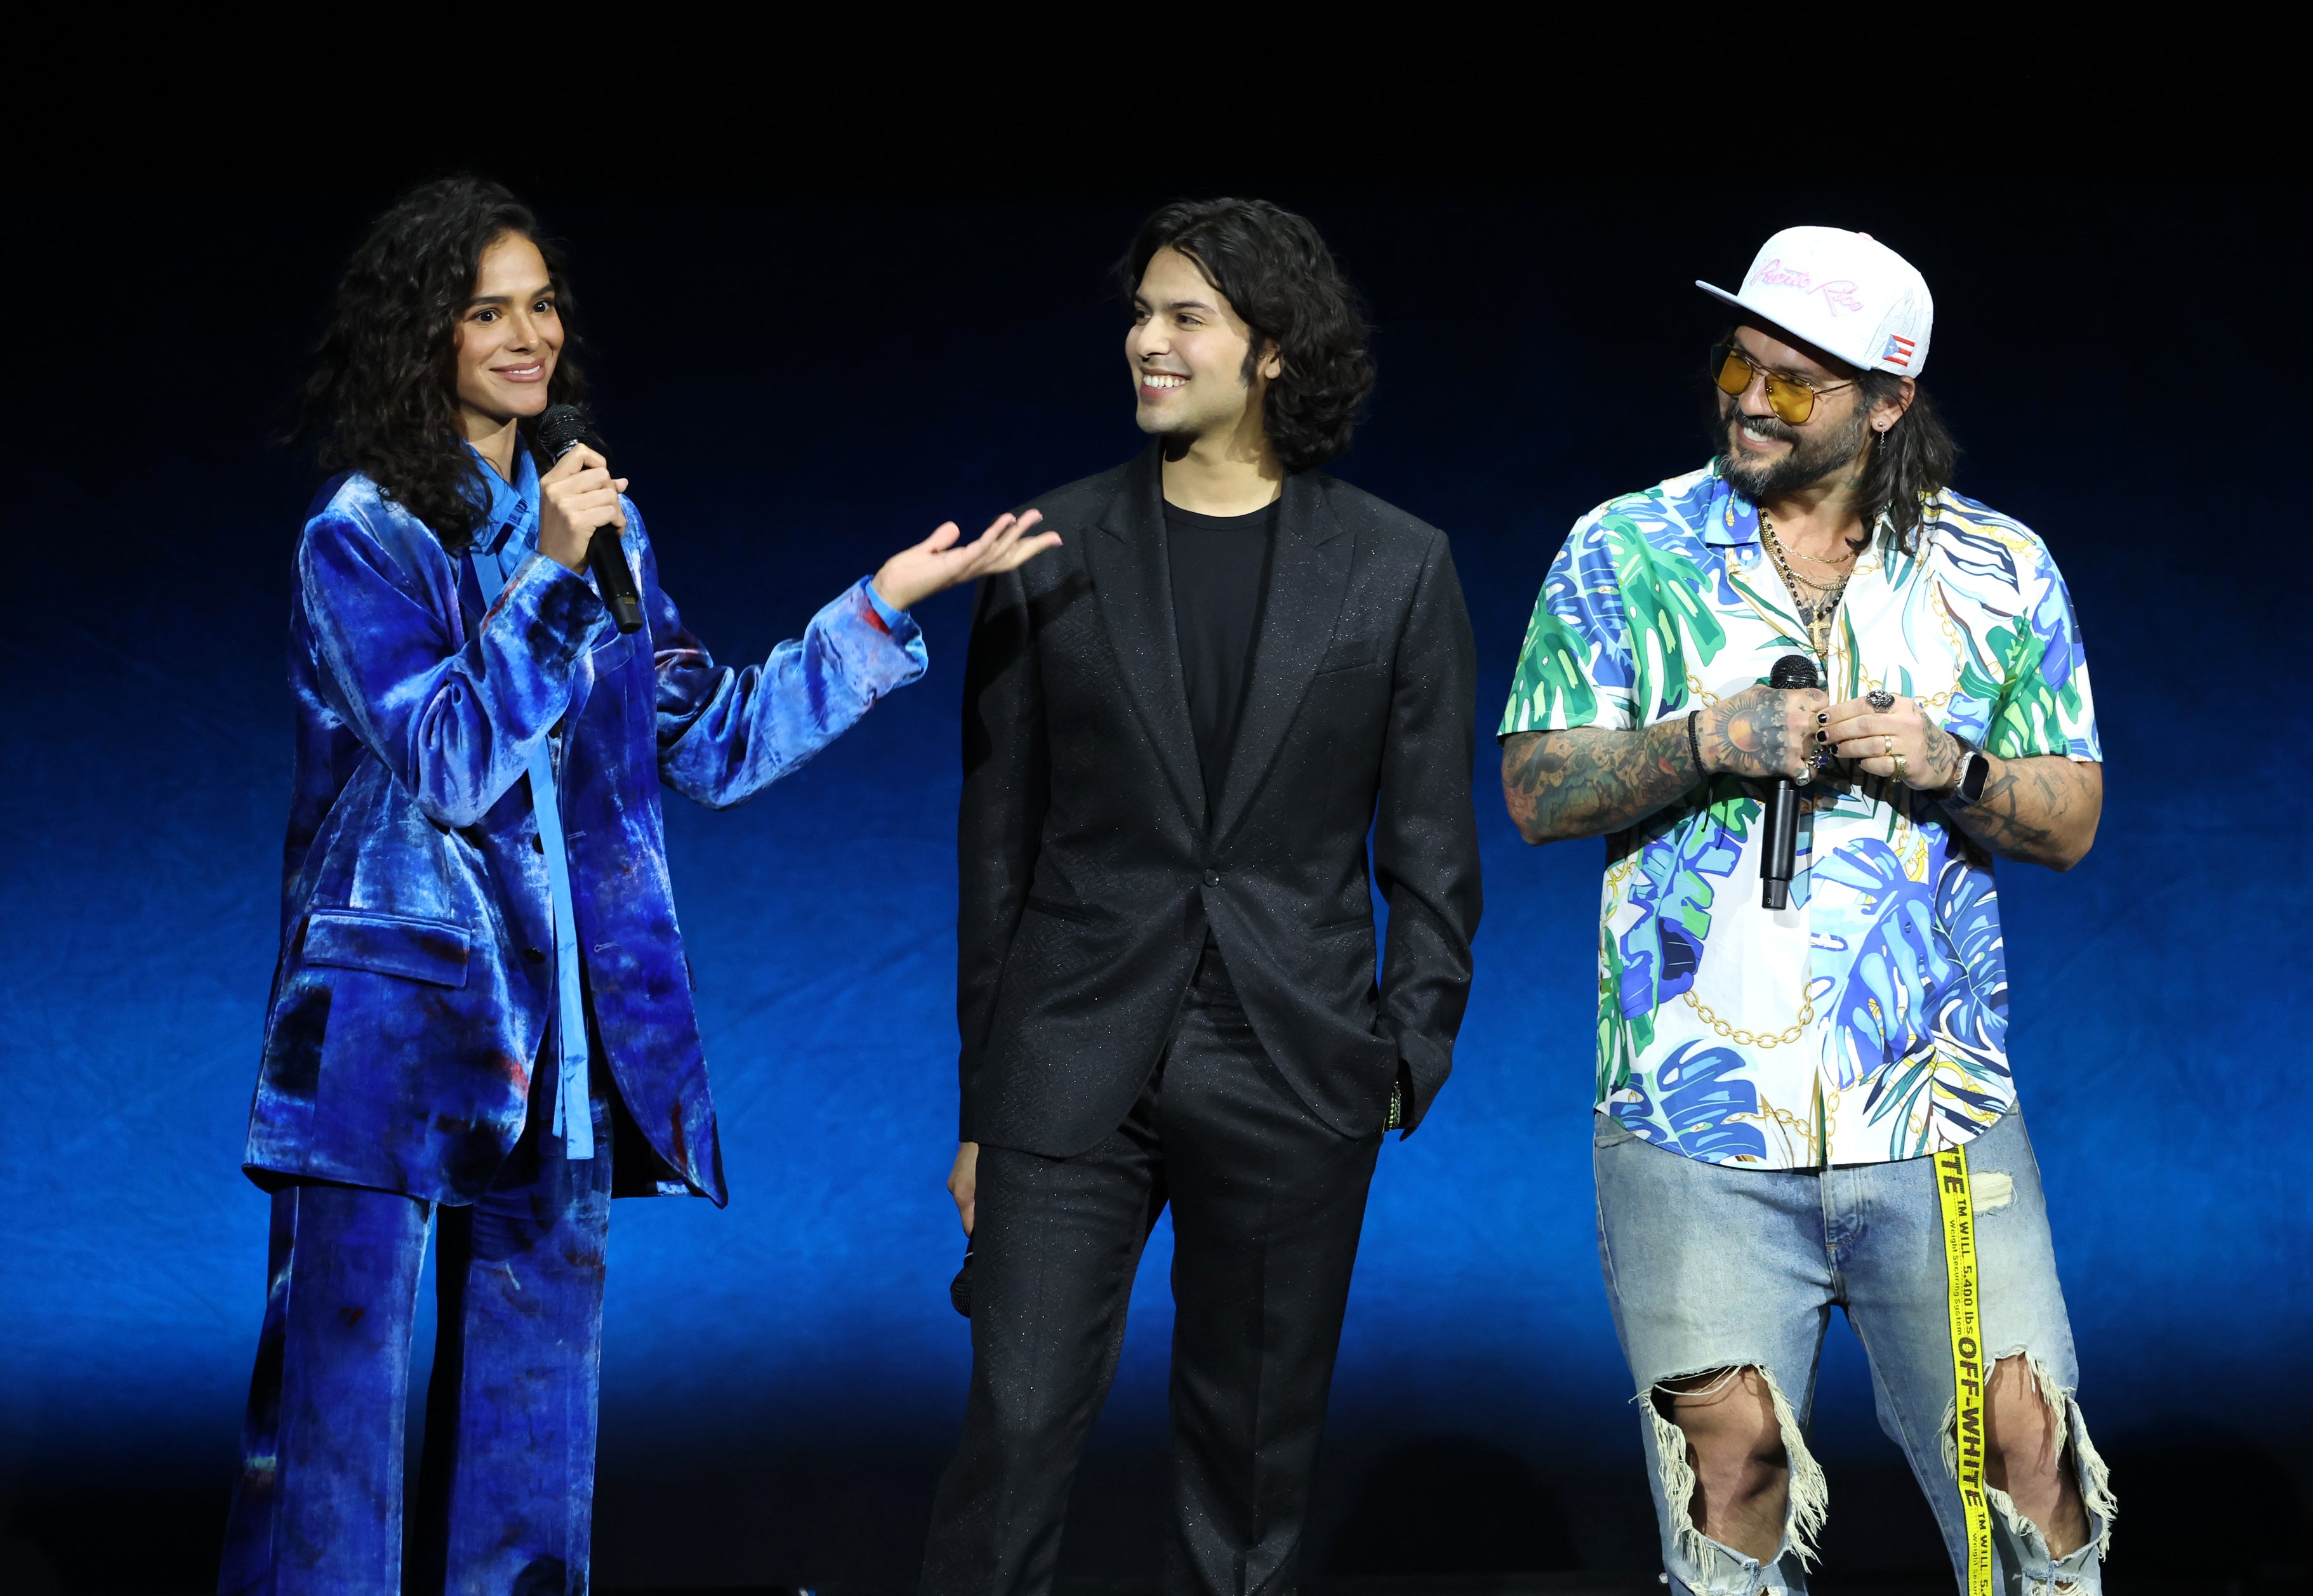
(482, 1011)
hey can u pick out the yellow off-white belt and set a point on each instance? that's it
(1968, 1372)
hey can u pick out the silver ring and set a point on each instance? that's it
(1881, 700)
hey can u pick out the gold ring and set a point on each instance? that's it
(1899, 768)
(1891, 747)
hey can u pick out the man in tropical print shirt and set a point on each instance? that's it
(1770, 1081)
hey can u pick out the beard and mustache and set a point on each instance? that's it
(1814, 456)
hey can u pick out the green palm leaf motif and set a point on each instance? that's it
(1569, 652)
(2029, 716)
(1552, 688)
(1661, 587)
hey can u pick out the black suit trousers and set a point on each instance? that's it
(1267, 1201)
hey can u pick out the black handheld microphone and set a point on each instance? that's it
(1793, 670)
(959, 1290)
(560, 430)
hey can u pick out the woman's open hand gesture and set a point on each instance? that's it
(937, 564)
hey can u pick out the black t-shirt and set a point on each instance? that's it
(1220, 577)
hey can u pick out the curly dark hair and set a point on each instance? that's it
(1271, 265)
(381, 397)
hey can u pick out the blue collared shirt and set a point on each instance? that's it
(512, 541)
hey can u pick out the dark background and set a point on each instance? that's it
(822, 322)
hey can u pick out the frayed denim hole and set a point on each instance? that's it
(1809, 1503)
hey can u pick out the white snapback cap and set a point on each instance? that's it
(1842, 292)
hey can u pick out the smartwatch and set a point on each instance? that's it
(1975, 766)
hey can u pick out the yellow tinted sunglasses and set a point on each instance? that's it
(1789, 398)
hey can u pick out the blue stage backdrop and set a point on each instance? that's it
(796, 390)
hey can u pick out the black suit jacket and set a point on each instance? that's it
(1090, 868)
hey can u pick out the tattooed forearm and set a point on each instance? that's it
(2042, 810)
(1589, 781)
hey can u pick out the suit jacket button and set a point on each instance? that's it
(535, 955)
(1212, 878)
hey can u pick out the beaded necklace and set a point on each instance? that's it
(1814, 617)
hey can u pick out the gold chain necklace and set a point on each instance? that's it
(1816, 617)
(1816, 559)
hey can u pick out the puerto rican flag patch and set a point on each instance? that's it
(1898, 351)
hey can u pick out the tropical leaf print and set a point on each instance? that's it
(1629, 1106)
(1670, 888)
(1981, 554)
(1967, 913)
(2031, 714)
(1902, 1044)
(2024, 658)
(1622, 619)
(1553, 689)
(1880, 1012)
(2045, 709)
(1665, 600)
(1984, 670)
(1708, 1103)
(2059, 630)
(1623, 1038)
(1941, 1099)
(1962, 1083)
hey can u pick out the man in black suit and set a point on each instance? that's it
(1179, 730)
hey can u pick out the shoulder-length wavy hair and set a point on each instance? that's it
(1275, 270)
(381, 399)
(1910, 463)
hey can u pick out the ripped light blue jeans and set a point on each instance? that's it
(1710, 1267)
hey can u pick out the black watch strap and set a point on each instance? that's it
(1974, 768)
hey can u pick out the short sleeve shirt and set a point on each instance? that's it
(1868, 1020)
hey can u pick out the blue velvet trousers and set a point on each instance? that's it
(504, 1499)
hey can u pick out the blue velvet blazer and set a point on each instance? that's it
(416, 973)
